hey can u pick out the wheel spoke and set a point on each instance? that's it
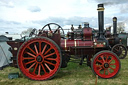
(112, 64)
(36, 48)
(103, 58)
(43, 68)
(39, 70)
(31, 50)
(39, 46)
(44, 49)
(49, 27)
(49, 63)
(100, 69)
(108, 71)
(31, 54)
(106, 58)
(47, 51)
(48, 67)
(31, 66)
(98, 65)
(120, 48)
(99, 61)
(51, 59)
(116, 49)
(28, 58)
(30, 62)
(35, 68)
(112, 68)
(116, 52)
(56, 29)
(110, 61)
(104, 71)
(49, 55)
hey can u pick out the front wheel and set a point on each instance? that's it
(105, 64)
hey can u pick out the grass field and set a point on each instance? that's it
(74, 74)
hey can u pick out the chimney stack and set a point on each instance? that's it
(101, 21)
(114, 26)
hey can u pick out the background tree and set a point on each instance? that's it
(120, 27)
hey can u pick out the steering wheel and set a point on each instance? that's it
(52, 27)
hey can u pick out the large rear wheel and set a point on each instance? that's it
(105, 64)
(39, 58)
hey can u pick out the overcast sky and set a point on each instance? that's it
(18, 15)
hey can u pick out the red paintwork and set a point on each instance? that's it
(81, 47)
(71, 43)
(87, 33)
(14, 44)
(55, 37)
(41, 69)
(99, 65)
(100, 45)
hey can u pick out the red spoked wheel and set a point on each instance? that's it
(105, 64)
(39, 58)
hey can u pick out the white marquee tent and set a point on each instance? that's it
(5, 54)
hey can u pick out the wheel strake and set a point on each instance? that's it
(39, 59)
(105, 64)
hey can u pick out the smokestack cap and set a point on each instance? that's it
(114, 18)
(100, 5)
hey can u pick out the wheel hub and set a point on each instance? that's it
(106, 65)
(39, 58)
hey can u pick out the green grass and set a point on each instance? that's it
(74, 74)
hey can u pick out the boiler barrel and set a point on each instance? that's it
(124, 38)
(67, 44)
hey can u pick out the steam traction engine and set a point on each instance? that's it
(41, 57)
(115, 41)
